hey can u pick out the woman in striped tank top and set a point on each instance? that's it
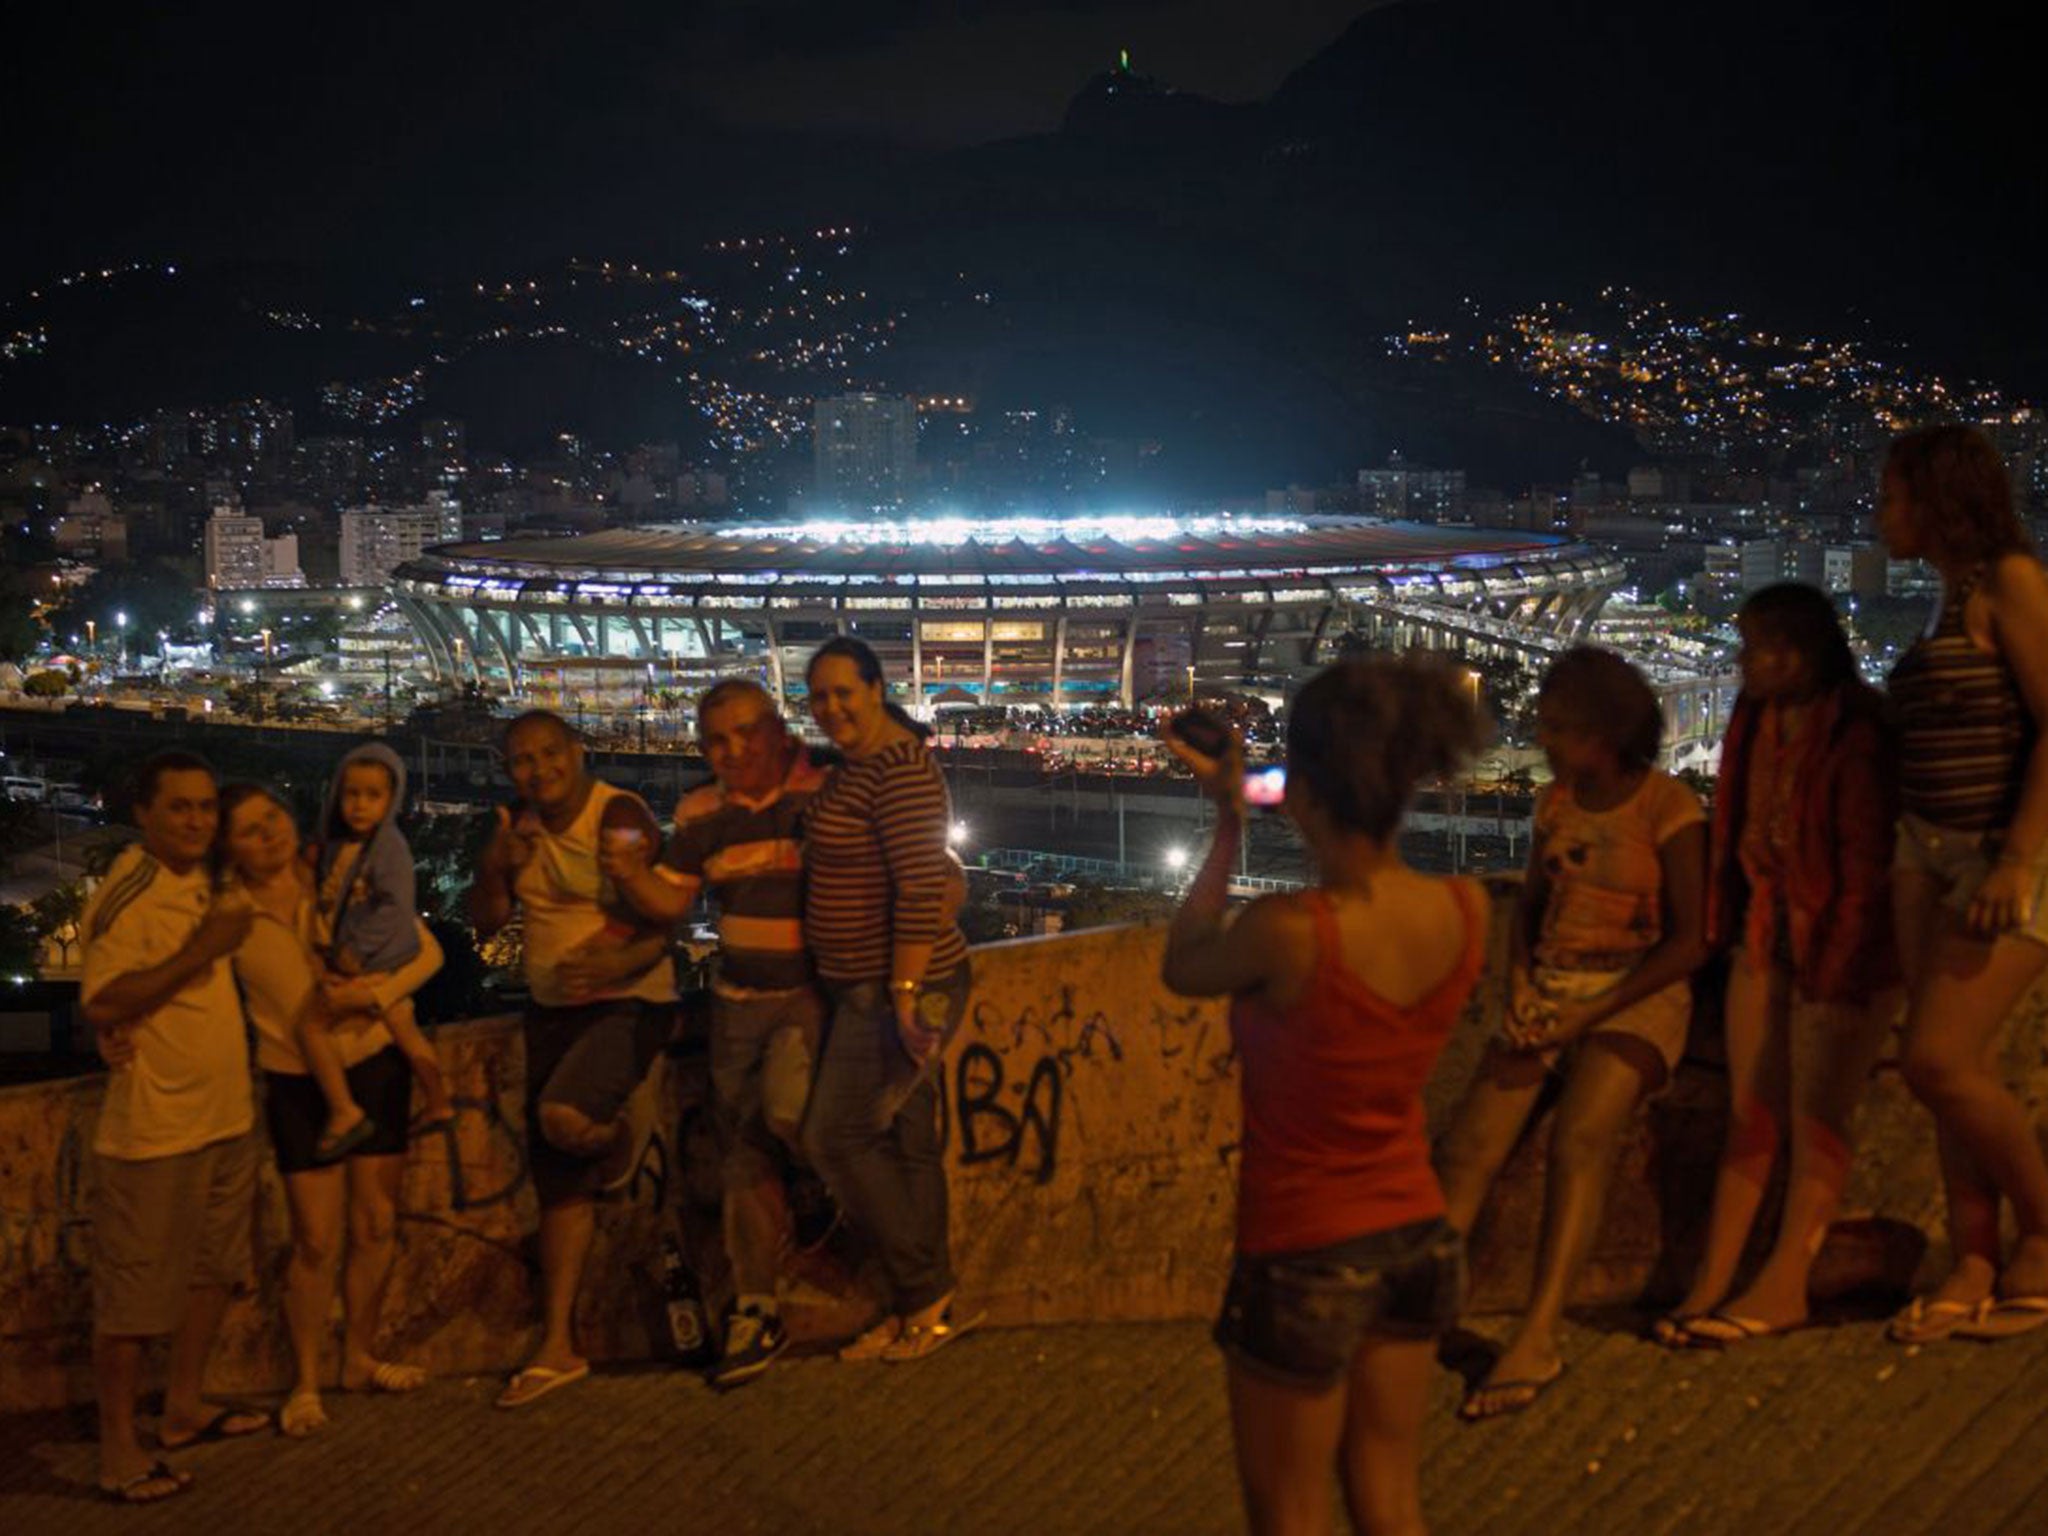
(878, 919)
(1972, 914)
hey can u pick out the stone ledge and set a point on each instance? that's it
(1091, 1140)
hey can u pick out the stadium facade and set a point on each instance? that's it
(1020, 612)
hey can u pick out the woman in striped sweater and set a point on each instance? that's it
(893, 962)
(1969, 876)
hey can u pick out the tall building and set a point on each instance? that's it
(375, 541)
(865, 449)
(1404, 490)
(234, 549)
(239, 557)
(1861, 569)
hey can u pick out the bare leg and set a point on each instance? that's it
(425, 1063)
(1286, 1439)
(1834, 1046)
(117, 1380)
(565, 1233)
(323, 1061)
(314, 1199)
(1965, 992)
(373, 1184)
(1488, 1123)
(1382, 1457)
(1758, 1067)
(191, 1346)
(1608, 1080)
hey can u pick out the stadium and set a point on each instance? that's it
(1015, 612)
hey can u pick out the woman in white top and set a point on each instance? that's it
(281, 977)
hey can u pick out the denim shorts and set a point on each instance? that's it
(1299, 1318)
(1958, 863)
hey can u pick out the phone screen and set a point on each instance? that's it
(1266, 787)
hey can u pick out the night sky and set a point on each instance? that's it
(1896, 144)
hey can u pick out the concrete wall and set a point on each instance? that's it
(1091, 1132)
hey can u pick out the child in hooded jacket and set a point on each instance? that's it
(366, 926)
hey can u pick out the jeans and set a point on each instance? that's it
(763, 1045)
(872, 1130)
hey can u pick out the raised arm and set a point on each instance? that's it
(131, 995)
(509, 849)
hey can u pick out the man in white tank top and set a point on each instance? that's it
(604, 998)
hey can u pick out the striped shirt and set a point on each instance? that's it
(1964, 731)
(875, 847)
(751, 856)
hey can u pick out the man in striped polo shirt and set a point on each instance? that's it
(740, 835)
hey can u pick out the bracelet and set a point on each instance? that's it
(906, 988)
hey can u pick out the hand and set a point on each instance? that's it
(591, 966)
(1571, 1018)
(116, 1044)
(1530, 1014)
(225, 925)
(347, 994)
(920, 1041)
(622, 853)
(2004, 901)
(1221, 779)
(512, 843)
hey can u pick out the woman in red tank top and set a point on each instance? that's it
(1342, 997)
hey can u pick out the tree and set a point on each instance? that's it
(151, 596)
(56, 913)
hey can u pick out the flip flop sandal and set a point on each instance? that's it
(915, 1342)
(390, 1377)
(130, 1490)
(1727, 1328)
(217, 1428)
(536, 1382)
(870, 1343)
(2005, 1317)
(1533, 1387)
(332, 1149)
(1928, 1322)
(1674, 1331)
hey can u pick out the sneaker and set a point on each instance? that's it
(616, 1168)
(752, 1341)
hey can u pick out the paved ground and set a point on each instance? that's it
(1122, 1429)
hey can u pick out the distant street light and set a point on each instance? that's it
(956, 835)
(1176, 859)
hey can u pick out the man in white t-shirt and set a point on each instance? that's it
(604, 996)
(174, 1149)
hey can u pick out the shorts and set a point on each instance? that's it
(295, 1110)
(1299, 1318)
(1958, 862)
(590, 1057)
(1661, 1021)
(163, 1227)
(763, 1049)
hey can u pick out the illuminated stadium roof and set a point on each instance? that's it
(1122, 549)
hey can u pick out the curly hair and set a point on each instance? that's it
(1609, 698)
(1363, 734)
(1961, 498)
